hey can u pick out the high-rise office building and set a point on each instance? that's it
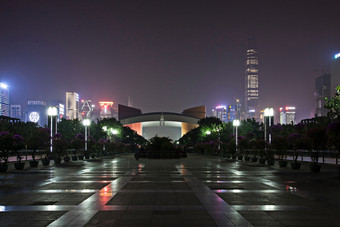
(72, 105)
(107, 110)
(36, 112)
(220, 112)
(15, 112)
(335, 73)
(322, 91)
(287, 115)
(4, 100)
(251, 104)
(231, 113)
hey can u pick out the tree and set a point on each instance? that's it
(39, 139)
(333, 105)
(6, 144)
(70, 128)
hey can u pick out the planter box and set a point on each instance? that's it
(34, 164)
(283, 164)
(270, 162)
(45, 162)
(57, 160)
(74, 158)
(295, 165)
(247, 158)
(3, 168)
(240, 157)
(254, 159)
(81, 157)
(19, 166)
(262, 161)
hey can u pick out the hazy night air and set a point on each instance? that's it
(166, 55)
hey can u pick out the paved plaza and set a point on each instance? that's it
(194, 191)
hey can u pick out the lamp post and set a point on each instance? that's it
(268, 114)
(86, 123)
(52, 111)
(236, 123)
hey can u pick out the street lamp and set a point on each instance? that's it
(236, 123)
(52, 111)
(86, 123)
(268, 114)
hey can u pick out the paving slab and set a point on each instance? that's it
(194, 191)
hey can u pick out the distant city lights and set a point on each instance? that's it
(3, 85)
(337, 56)
(221, 107)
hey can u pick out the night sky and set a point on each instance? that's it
(166, 55)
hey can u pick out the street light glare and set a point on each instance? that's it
(236, 123)
(208, 132)
(268, 112)
(114, 131)
(52, 111)
(4, 86)
(86, 122)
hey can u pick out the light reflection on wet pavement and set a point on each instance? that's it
(195, 191)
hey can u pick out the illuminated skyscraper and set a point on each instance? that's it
(16, 112)
(220, 112)
(287, 115)
(107, 110)
(72, 105)
(335, 73)
(36, 112)
(4, 100)
(322, 91)
(252, 109)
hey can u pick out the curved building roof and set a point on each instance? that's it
(160, 116)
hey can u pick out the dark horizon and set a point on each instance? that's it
(166, 56)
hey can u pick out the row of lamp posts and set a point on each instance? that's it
(53, 112)
(268, 122)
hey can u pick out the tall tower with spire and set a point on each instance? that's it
(251, 104)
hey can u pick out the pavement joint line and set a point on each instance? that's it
(36, 208)
(76, 217)
(225, 213)
(152, 207)
(273, 207)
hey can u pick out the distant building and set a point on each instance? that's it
(61, 111)
(15, 112)
(231, 113)
(72, 105)
(287, 115)
(172, 125)
(86, 110)
(335, 74)
(252, 109)
(4, 100)
(36, 112)
(220, 112)
(106, 109)
(322, 91)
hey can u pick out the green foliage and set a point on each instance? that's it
(6, 144)
(333, 105)
(70, 128)
(160, 144)
(333, 132)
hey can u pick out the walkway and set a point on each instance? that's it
(196, 191)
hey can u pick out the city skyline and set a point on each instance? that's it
(166, 56)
